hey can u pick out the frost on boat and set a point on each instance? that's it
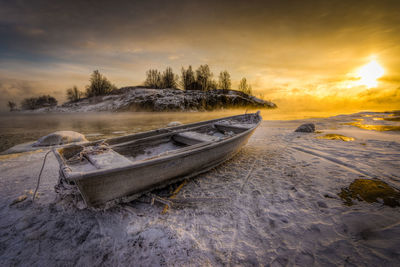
(123, 168)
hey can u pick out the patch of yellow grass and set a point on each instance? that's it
(19, 199)
(370, 191)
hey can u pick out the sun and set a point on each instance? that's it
(370, 73)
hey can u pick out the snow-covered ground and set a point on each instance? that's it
(274, 203)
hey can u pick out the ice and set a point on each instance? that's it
(281, 208)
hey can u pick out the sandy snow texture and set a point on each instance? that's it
(281, 209)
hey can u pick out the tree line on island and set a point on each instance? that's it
(200, 79)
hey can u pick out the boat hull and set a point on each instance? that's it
(134, 182)
(129, 182)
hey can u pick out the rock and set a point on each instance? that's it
(60, 138)
(174, 123)
(306, 128)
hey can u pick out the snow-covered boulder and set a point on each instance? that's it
(60, 138)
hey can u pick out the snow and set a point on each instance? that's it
(49, 141)
(108, 159)
(60, 138)
(281, 208)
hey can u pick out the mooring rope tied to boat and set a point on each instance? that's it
(40, 174)
(99, 148)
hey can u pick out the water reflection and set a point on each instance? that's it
(336, 137)
(386, 121)
(373, 127)
(392, 119)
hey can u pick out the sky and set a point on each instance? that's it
(299, 54)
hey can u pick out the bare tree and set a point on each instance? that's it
(99, 85)
(11, 105)
(169, 79)
(153, 79)
(188, 81)
(28, 103)
(204, 77)
(244, 87)
(38, 102)
(224, 80)
(73, 94)
(212, 85)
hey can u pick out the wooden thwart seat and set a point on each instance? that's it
(191, 138)
(108, 159)
(235, 128)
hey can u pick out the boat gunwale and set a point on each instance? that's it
(76, 176)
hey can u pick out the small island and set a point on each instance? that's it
(166, 91)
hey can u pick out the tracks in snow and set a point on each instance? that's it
(343, 164)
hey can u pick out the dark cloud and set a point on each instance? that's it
(266, 41)
(39, 26)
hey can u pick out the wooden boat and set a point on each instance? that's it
(123, 168)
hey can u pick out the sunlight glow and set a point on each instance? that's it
(370, 73)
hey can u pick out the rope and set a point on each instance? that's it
(40, 174)
(86, 150)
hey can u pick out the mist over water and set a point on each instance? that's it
(17, 128)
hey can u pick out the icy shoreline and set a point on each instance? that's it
(282, 208)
